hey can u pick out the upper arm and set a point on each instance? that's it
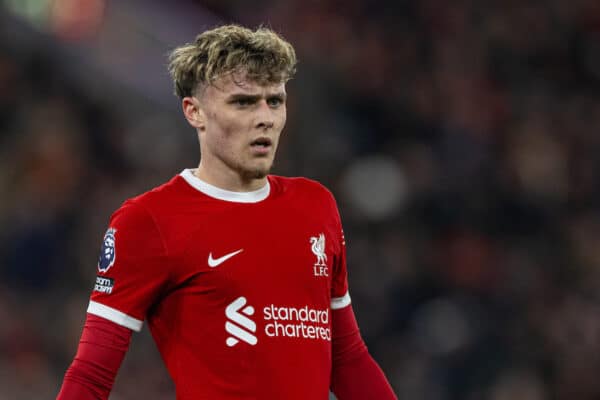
(132, 268)
(340, 296)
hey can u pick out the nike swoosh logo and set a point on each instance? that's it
(215, 262)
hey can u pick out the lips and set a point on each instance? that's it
(261, 146)
(261, 142)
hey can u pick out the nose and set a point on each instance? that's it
(264, 119)
(265, 125)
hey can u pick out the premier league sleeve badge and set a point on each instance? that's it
(107, 252)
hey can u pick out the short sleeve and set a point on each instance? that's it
(340, 296)
(132, 268)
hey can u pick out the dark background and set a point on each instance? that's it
(460, 139)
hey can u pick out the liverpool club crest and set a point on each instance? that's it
(318, 249)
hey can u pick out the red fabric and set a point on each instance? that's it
(257, 325)
(101, 350)
(354, 375)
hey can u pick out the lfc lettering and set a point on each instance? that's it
(320, 270)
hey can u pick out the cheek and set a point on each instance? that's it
(279, 118)
(222, 126)
(283, 116)
(226, 134)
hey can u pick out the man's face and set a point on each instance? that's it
(243, 121)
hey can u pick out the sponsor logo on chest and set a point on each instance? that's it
(279, 322)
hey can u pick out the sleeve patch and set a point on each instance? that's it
(104, 284)
(108, 254)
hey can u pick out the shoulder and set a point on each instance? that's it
(150, 204)
(301, 185)
(306, 194)
(159, 197)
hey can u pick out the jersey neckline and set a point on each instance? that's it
(254, 196)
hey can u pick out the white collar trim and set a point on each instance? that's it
(222, 194)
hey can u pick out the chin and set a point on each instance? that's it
(256, 173)
(258, 169)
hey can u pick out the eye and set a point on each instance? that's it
(243, 102)
(275, 102)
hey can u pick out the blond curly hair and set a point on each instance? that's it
(263, 55)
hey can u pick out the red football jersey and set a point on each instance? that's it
(237, 288)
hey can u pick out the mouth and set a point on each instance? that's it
(261, 145)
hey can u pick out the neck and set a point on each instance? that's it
(229, 180)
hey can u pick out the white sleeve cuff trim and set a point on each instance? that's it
(340, 302)
(115, 316)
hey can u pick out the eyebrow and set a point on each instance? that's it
(255, 97)
(281, 95)
(242, 96)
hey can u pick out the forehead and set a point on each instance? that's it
(240, 84)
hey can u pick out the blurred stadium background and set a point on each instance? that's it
(461, 139)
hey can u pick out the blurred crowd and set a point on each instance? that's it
(460, 138)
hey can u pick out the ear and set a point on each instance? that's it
(193, 112)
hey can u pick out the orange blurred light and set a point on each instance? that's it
(76, 20)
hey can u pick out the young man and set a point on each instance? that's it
(240, 274)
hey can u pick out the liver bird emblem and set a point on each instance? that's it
(318, 248)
